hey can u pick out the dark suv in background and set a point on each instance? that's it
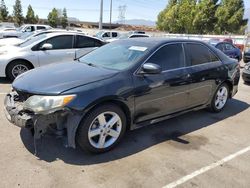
(121, 86)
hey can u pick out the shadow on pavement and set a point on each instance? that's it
(50, 149)
(4, 81)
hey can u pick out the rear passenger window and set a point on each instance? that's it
(197, 54)
(169, 57)
(114, 34)
(40, 27)
(87, 42)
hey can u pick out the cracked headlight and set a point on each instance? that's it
(47, 104)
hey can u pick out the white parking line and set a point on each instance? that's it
(207, 168)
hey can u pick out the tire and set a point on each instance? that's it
(23, 66)
(217, 105)
(91, 141)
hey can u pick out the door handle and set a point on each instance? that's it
(70, 53)
(188, 76)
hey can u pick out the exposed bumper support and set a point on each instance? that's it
(63, 121)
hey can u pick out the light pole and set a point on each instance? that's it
(101, 15)
(111, 7)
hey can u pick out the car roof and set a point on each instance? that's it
(220, 42)
(157, 41)
(138, 34)
(53, 34)
(37, 25)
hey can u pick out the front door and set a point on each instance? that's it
(62, 50)
(161, 94)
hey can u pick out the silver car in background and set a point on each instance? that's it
(43, 50)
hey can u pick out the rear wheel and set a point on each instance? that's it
(101, 129)
(220, 98)
(16, 68)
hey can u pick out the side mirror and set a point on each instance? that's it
(46, 46)
(151, 68)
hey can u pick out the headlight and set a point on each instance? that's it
(46, 104)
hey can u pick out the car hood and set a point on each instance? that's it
(57, 78)
(9, 49)
(10, 41)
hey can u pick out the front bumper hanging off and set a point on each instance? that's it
(15, 113)
(61, 123)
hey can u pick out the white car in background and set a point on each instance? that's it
(14, 40)
(106, 35)
(43, 50)
(129, 36)
(12, 32)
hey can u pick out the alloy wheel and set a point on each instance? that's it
(19, 69)
(104, 130)
(221, 97)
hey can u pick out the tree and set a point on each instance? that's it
(64, 19)
(230, 17)
(177, 17)
(30, 16)
(53, 18)
(37, 19)
(204, 19)
(18, 12)
(164, 15)
(3, 11)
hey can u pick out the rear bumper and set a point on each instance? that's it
(15, 114)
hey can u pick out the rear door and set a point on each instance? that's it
(84, 44)
(203, 69)
(62, 50)
(165, 93)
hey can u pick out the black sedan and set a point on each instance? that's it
(121, 86)
(246, 56)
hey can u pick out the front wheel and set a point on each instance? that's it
(220, 98)
(16, 68)
(101, 129)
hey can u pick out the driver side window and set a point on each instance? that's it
(169, 57)
(29, 29)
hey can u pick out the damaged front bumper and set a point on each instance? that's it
(15, 113)
(62, 123)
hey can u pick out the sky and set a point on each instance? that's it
(88, 10)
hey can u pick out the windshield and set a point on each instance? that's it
(99, 34)
(32, 40)
(20, 28)
(115, 56)
(26, 35)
